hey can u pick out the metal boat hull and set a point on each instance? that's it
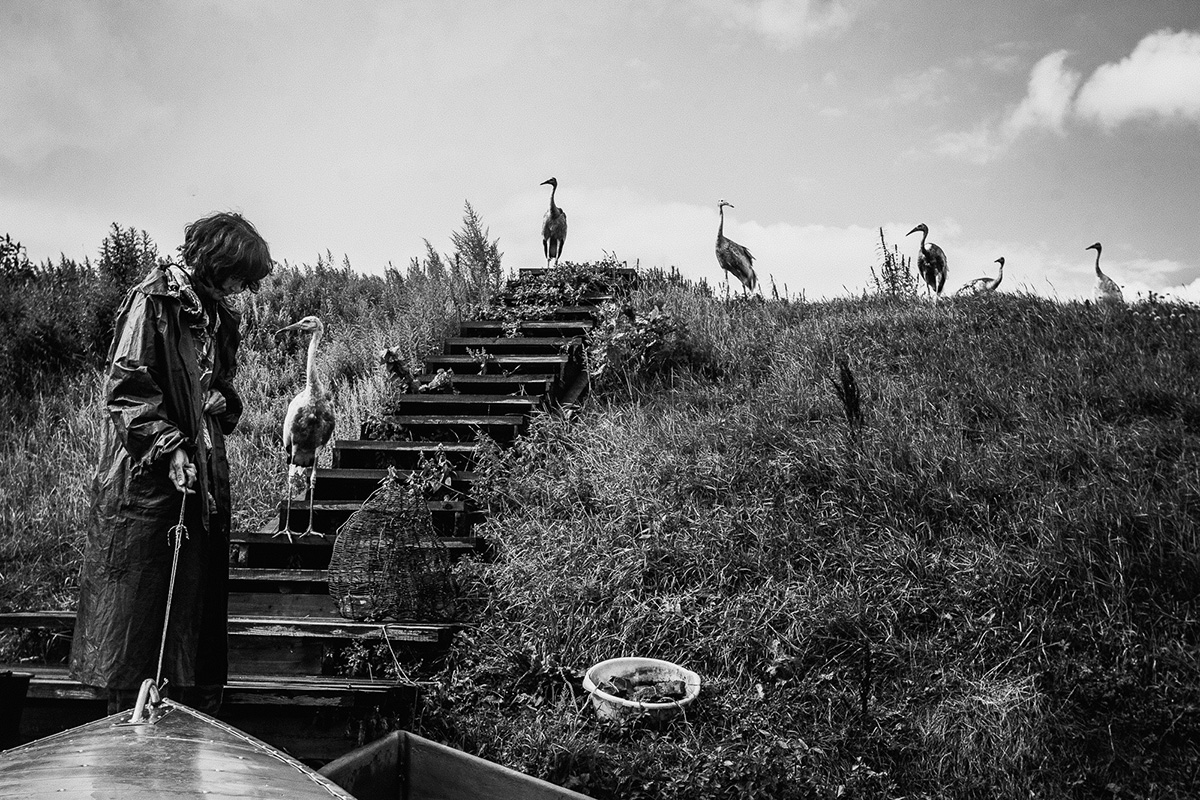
(404, 765)
(181, 754)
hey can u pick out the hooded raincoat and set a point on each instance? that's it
(169, 349)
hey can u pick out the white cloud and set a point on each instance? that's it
(1046, 106)
(926, 87)
(784, 23)
(1160, 79)
(979, 145)
(1189, 292)
(1047, 99)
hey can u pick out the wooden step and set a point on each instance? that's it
(289, 593)
(499, 365)
(262, 549)
(358, 484)
(328, 628)
(540, 327)
(280, 646)
(531, 384)
(516, 345)
(584, 311)
(462, 404)
(449, 427)
(449, 518)
(379, 454)
(52, 682)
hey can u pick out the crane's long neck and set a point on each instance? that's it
(1098, 272)
(312, 378)
(1000, 276)
(923, 235)
(721, 227)
(553, 189)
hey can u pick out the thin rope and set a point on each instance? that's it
(180, 533)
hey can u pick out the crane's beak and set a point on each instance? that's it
(550, 182)
(295, 326)
(914, 230)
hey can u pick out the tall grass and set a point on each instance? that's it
(989, 591)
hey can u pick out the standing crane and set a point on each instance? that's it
(554, 227)
(1107, 292)
(931, 261)
(985, 284)
(307, 426)
(733, 257)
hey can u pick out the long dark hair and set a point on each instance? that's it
(225, 245)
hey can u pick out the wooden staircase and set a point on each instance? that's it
(285, 637)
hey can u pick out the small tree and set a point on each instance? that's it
(475, 268)
(126, 255)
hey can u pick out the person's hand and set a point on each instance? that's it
(214, 403)
(183, 472)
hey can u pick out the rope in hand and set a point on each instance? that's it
(179, 531)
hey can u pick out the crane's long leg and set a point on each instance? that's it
(312, 493)
(286, 528)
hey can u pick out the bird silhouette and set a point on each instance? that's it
(931, 261)
(1107, 292)
(985, 284)
(307, 425)
(733, 257)
(554, 227)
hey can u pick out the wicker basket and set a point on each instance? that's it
(388, 561)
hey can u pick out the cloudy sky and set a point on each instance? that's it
(1026, 129)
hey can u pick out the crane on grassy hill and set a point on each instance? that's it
(554, 227)
(1107, 292)
(307, 426)
(733, 257)
(931, 261)
(984, 285)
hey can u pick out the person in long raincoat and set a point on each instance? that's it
(169, 401)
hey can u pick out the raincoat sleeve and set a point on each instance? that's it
(229, 338)
(133, 389)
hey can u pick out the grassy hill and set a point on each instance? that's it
(980, 581)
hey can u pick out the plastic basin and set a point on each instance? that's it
(638, 670)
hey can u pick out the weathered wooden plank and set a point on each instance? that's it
(456, 420)
(279, 604)
(528, 383)
(358, 483)
(325, 628)
(463, 404)
(449, 518)
(500, 327)
(463, 364)
(53, 682)
(268, 575)
(500, 346)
